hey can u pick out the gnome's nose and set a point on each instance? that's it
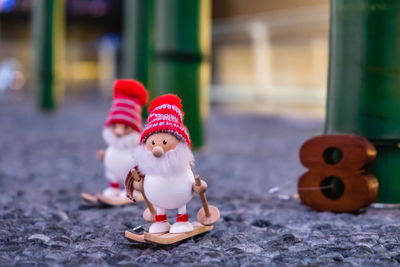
(119, 132)
(158, 151)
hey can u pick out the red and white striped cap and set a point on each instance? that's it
(129, 98)
(166, 116)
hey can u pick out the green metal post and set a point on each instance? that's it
(181, 52)
(364, 82)
(137, 37)
(48, 41)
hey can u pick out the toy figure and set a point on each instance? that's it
(163, 174)
(122, 134)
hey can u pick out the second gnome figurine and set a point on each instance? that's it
(164, 160)
(121, 132)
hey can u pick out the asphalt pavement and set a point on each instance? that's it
(250, 163)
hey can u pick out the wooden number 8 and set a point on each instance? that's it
(337, 179)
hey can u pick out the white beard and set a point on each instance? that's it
(128, 141)
(172, 162)
(118, 157)
(168, 180)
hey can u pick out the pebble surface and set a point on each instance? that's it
(250, 164)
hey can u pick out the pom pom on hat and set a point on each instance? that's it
(166, 99)
(130, 89)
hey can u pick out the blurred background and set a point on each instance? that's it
(263, 56)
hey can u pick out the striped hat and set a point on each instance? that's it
(129, 98)
(166, 116)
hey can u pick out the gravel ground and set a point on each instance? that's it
(47, 160)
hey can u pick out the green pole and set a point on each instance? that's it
(138, 32)
(364, 82)
(181, 52)
(137, 37)
(48, 22)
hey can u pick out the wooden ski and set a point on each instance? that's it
(90, 198)
(167, 238)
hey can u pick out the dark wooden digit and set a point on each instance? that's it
(337, 179)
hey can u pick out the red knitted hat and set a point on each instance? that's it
(166, 116)
(129, 98)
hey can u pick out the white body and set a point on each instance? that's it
(169, 192)
(118, 162)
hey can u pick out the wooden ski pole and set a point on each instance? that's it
(203, 197)
(209, 214)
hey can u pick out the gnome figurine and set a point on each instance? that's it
(164, 160)
(121, 132)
